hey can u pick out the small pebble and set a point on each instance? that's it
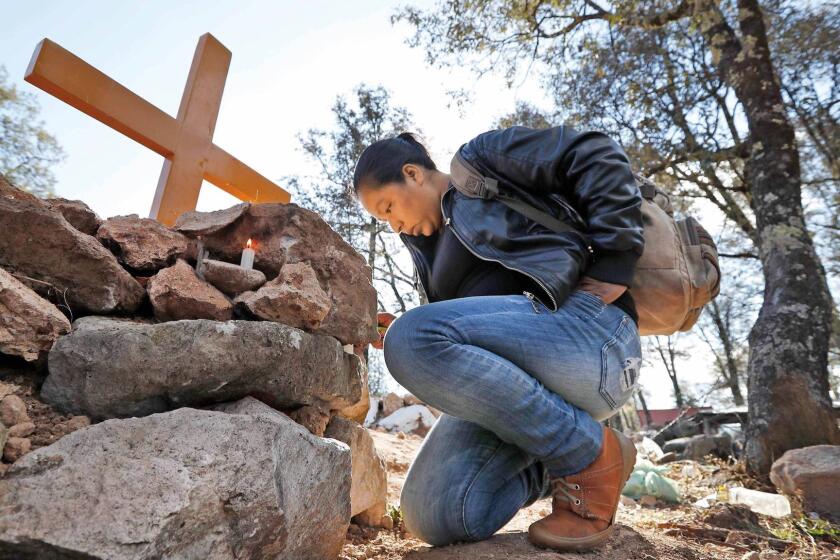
(76, 423)
(22, 430)
(627, 502)
(647, 500)
(16, 448)
(13, 410)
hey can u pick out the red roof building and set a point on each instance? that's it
(661, 416)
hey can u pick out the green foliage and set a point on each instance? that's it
(395, 513)
(27, 151)
(525, 114)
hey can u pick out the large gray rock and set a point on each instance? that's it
(246, 482)
(143, 245)
(178, 293)
(288, 233)
(61, 261)
(29, 324)
(699, 446)
(814, 472)
(369, 489)
(109, 368)
(77, 213)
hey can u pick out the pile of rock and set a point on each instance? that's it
(395, 413)
(226, 404)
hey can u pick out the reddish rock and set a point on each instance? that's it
(410, 399)
(177, 293)
(29, 324)
(22, 430)
(815, 473)
(60, 261)
(358, 411)
(369, 479)
(16, 448)
(294, 298)
(229, 278)
(77, 213)
(391, 403)
(13, 411)
(142, 245)
(287, 234)
(313, 417)
(6, 389)
(75, 423)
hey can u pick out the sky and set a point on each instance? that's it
(290, 61)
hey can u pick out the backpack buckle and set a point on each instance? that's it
(488, 188)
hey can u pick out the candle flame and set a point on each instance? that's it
(249, 243)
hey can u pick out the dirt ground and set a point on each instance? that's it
(654, 531)
(648, 531)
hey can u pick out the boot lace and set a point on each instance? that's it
(562, 486)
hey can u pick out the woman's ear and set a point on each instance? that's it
(413, 172)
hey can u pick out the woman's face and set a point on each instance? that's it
(412, 207)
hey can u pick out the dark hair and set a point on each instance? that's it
(382, 161)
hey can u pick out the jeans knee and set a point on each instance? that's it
(425, 522)
(398, 345)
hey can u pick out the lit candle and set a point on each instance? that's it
(247, 261)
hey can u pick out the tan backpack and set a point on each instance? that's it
(678, 272)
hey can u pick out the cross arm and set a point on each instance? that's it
(69, 78)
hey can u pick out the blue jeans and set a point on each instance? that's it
(521, 390)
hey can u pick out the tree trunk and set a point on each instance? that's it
(729, 369)
(648, 417)
(671, 368)
(789, 404)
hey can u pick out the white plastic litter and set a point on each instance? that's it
(408, 418)
(706, 502)
(689, 470)
(774, 505)
(649, 448)
(372, 411)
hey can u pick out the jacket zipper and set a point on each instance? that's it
(529, 295)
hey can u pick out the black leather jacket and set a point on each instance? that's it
(583, 178)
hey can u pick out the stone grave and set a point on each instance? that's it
(211, 411)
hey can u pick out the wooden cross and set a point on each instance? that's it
(186, 141)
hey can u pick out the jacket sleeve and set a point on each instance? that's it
(589, 169)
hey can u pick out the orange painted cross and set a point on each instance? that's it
(186, 141)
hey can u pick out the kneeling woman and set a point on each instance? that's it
(530, 337)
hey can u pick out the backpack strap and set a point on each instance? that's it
(646, 186)
(470, 182)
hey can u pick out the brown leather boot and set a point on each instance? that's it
(583, 505)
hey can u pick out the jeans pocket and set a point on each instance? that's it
(586, 304)
(620, 363)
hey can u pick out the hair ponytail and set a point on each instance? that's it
(382, 161)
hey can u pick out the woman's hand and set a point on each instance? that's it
(604, 290)
(384, 320)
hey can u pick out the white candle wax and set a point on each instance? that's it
(247, 261)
